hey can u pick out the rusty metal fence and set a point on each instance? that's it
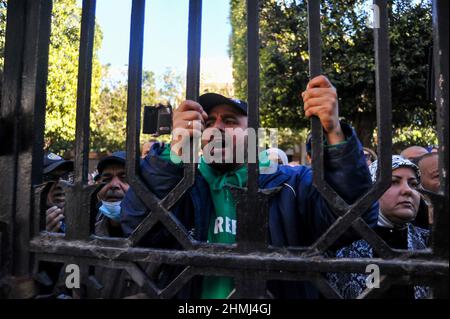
(252, 261)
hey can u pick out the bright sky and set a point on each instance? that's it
(165, 39)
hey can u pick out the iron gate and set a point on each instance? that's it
(251, 261)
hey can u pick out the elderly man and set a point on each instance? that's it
(111, 172)
(430, 179)
(298, 214)
(429, 170)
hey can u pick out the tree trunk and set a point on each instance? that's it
(365, 123)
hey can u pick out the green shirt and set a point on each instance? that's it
(222, 226)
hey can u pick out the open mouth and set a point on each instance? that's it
(114, 198)
(406, 204)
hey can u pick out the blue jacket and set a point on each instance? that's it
(298, 214)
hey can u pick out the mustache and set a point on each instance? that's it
(114, 193)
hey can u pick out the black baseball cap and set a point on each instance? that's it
(118, 157)
(53, 161)
(210, 100)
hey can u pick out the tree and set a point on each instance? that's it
(348, 60)
(63, 75)
(109, 119)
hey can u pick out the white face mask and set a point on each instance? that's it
(111, 210)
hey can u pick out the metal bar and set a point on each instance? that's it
(440, 242)
(194, 50)
(78, 220)
(315, 69)
(11, 89)
(257, 261)
(325, 287)
(376, 242)
(345, 222)
(84, 91)
(252, 230)
(30, 112)
(253, 85)
(176, 284)
(192, 93)
(140, 277)
(383, 96)
(384, 120)
(176, 229)
(317, 150)
(250, 285)
(134, 110)
(135, 87)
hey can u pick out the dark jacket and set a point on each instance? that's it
(298, 214)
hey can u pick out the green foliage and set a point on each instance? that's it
(62, 77)
(348, 60)
(413, 135)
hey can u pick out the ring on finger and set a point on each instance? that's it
(189, 123)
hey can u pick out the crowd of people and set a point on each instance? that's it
(298, 214)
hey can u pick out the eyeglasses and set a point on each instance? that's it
(67, 177)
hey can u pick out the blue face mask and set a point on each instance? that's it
(111, 210)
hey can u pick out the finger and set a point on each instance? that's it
(205, 116)
(55, 222)
(320, 81)
(315, 111)
(190, 116)
(193, 125)
(53, 215)
(318, 101)
(181, 120)
(51, 210)
(190, 105)
(318, 92)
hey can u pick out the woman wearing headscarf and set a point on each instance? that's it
(399, 206)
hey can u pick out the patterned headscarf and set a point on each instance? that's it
(397, 161)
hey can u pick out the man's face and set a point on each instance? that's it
(116, 187)
(430, 173)
(56, 195)
(232, 126)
